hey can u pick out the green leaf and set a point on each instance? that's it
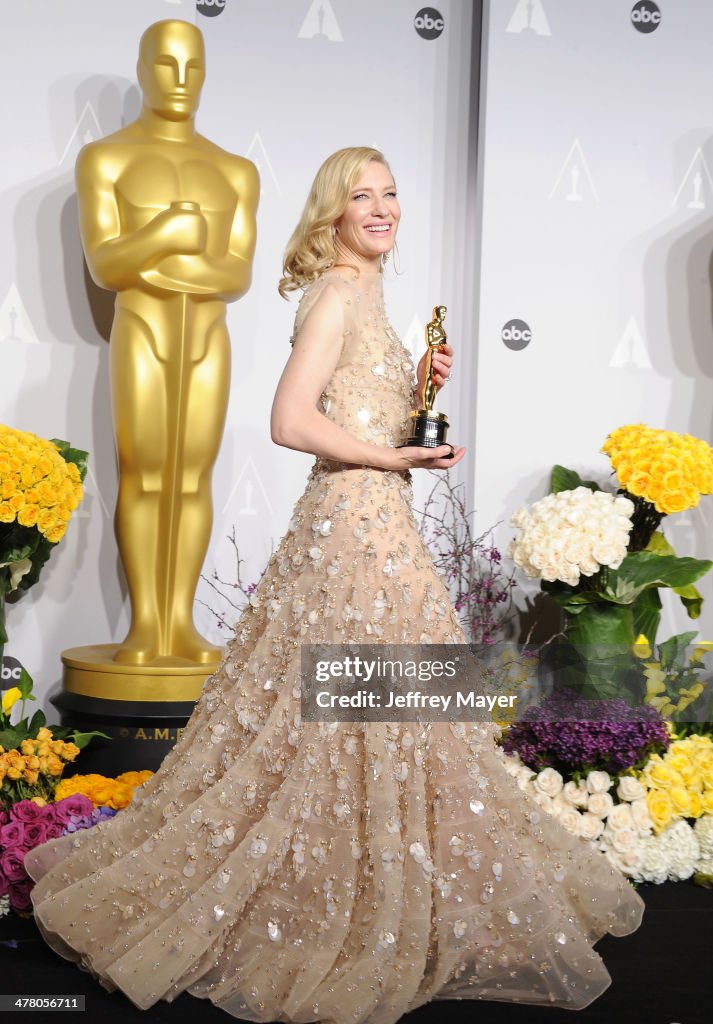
(10, 738)
(647, 614)
(691, 598)
(40, 556)
(38, 720)
(672, 652)
(564, 479)
(24, 684)
(81, 739)
(75, 455)
(641, 570)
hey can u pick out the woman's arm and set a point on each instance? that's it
(297, 423)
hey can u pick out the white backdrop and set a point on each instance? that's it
(596, 208)
(288, 82)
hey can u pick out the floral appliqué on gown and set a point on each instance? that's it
(334, 872)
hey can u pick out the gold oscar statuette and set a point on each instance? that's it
(167, 220)
(429, 428)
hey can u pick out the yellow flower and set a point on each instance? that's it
(707, 802)
(39, 800)
(660, 809)
(54, 765)
(659, 775)
(671, 471)
(700, 650)
(10, 698)
(655, 680)
(642, 648)
(680, 801)
(696, 808)
(7, 513)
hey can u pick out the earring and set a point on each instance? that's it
(397, 259)
(385, 257)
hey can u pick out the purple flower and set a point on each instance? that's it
(4, 817)
(36, 833)
(12, 866)
(26, 810)
(20, 900)
(573, 734)
(12, 834)
(76, 806)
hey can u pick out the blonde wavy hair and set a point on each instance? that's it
(310, 250)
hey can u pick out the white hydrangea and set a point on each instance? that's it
(704, 834)
(572, 534)
(654, 863)
(705, 865)
(683, 850)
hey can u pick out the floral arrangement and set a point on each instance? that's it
(41, 484)
(673, 675)
(602, 557)
(572, 534)
(33, 756)
(571, 734)
(666, 470)
(679, 783)
(26, 825)
(623, 780)
(614, 815)
(103, 792)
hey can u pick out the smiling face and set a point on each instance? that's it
(368, 226)
(171, 69)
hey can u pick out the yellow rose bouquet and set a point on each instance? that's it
(41, 484)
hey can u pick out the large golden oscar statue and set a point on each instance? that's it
(167, 220)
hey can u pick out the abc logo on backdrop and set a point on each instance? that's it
(646, 16)
(210, 8)
(10, 671)
(429, 23)
(516, 335)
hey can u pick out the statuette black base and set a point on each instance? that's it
(428, 430)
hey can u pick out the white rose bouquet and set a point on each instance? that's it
(572, 534)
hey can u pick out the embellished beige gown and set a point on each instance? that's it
(334, 872)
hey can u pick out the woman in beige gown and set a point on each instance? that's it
(341, 872)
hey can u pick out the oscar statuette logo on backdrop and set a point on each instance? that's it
(529, 16)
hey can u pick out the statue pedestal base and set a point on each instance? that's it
(144, 708)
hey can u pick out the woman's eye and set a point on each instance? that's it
(361, 195)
